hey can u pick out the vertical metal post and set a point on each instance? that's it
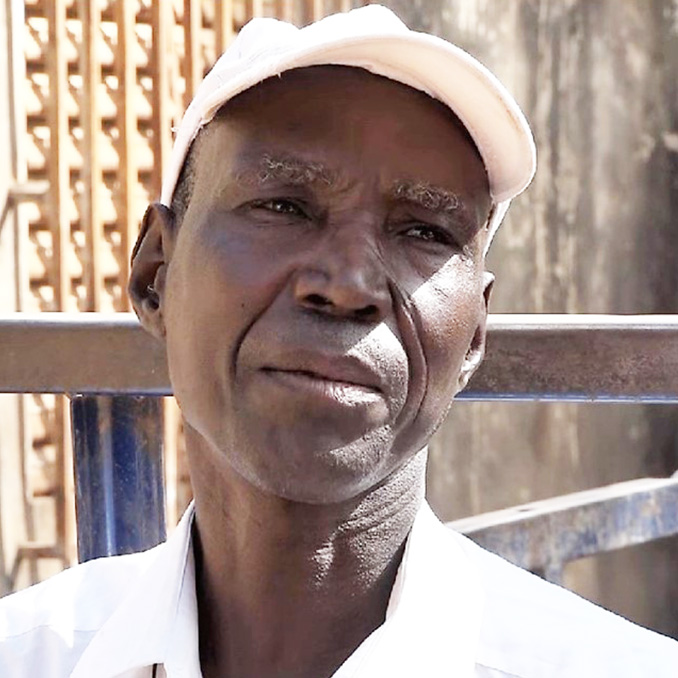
(118, 474)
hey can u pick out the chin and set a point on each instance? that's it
(325, 474)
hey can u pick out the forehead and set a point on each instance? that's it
(346, 121)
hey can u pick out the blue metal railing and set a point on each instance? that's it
(117, 452)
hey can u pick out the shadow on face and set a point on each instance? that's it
(325, 296)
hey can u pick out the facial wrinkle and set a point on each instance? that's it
(279, 289)
(406, 319)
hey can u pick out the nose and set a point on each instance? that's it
(344, 276)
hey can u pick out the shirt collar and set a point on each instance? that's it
(159, 608)
(432, 624)
(433, 620)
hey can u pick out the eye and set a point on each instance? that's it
(283, 206)
(429, 234)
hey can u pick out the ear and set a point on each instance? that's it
(476, 351)
(150, 259)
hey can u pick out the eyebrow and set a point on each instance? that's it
(287, 169)
(429, 197)
(297, 171)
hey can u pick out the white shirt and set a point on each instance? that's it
(456, 611)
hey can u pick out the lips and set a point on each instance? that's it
(311, 369)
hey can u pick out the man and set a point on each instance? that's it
(315, 268)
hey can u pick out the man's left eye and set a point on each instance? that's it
(428, 233)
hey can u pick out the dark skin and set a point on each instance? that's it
(323, 300)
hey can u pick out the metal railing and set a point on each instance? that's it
(529, 357)
(114, 372)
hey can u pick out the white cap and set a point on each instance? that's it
(375, 39)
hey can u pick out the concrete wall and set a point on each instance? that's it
(594, 234)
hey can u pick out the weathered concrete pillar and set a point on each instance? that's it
(594, 234)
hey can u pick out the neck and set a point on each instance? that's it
(291, 589)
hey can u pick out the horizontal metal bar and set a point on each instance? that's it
(529, 357)
(579, 358)
(80, 353)
(545, 535)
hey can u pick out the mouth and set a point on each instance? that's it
(322, 388)
(345, 381)
(307, 375)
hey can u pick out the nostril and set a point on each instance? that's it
(317, 300)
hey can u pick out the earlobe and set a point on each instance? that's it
(149, 268)
(476, 351)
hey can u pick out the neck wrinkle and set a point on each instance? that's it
(277, 579)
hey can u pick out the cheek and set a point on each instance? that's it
(225, 272)
(217, 286)
(445, 314)
(448, 306)
(193, 336)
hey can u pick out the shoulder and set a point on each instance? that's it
(45, 628)
(534, 629)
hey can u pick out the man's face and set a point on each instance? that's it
(326, 287)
